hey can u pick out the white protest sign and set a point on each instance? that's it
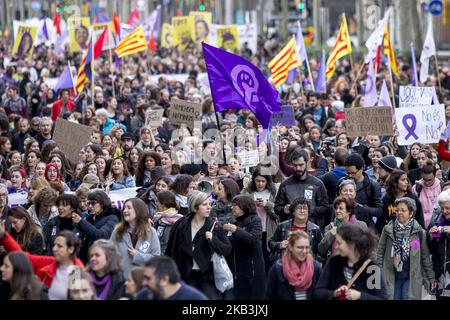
(420, 124)
(118, 197)
(154, 118)
(248, 159)
(410, 96)
(248, 33)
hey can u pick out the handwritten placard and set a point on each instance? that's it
(248, 159)
(71, 137)
(373, 120)
(154, 118)
(285, 117)
(420, 124)
(185, 112)
(410, 96)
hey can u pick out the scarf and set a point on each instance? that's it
(168, 217)
(443, 222)
(299, 275)
(402, 235)
(106, 282)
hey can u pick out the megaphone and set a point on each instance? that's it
(205, 186)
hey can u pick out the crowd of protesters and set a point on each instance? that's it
(323, 215)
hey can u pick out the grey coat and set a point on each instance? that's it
(328, 238)
(146, 249)
(419, 258)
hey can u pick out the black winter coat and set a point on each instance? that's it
(438, 252)
(97, 227)
(117, 287)
(282, 232)
(278, 288)
(51, 229)
(388, 213)
(183, 249)
(246, 260)
(369, 199)
(36, 245)
(332, 278)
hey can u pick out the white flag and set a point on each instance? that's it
(370, 94)
(429, 49)
(376, 38)
(384, 100)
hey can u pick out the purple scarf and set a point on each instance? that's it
(106, 282)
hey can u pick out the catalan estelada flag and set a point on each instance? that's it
(341, 48)
(133, 43)
(389, 51)
(286, 60)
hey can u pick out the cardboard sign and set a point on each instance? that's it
(285, 117)
(71, 137)
(248, 159)
(182, 111)
(410, 96)
(376, 120)
(154, 118)
(420, 124)
(118, 197)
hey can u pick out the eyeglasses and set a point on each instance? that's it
(92, 203)
(352, 173)
(306, 248)
(301, 208)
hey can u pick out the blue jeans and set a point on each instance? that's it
(401, 289)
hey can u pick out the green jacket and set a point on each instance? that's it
(419, 258)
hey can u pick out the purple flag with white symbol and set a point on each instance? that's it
(370, 93)
(321, 81)
(237, 84)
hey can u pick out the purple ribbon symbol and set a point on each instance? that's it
(410, 128)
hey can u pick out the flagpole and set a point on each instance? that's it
(437, 73)
(392, 84)
(310, 75)
(357, 76)
(71, 78)
(114, 71)
(92, 68)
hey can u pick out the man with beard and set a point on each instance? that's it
(46, 130)
(127, 143)
(162, 281)
(301, 184)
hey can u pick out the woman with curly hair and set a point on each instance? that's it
(148, 160)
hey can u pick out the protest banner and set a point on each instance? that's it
(184, 112)
(228, 38)
(420, 124)
(118, 197)
(79, 33)
(248, 159)
(285, 117)
(361, 121)
(248, 33)
(182, 32)
(201, 24)
(24, 43)
(410, 96)
(154, 118)
(71, 137)
(167, 36)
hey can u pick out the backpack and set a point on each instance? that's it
(419, 188)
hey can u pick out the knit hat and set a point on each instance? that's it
(90, 180)
(388, 163)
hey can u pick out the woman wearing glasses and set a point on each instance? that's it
(295, 276)
(101, 221)
(299, 209)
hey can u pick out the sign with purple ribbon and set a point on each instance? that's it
(420, 124)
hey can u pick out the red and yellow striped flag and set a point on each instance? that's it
(82, 78)
(283, 62)
(389, 51)
(133, 43)
(341, 48)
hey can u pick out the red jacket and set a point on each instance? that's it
(57, 106)
(442, 150)
(44, 266)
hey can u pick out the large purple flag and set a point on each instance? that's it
(414, 80)
(44, 29)
(321, 81)
(65, 80)
(237, 84)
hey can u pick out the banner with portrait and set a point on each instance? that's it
(202, 25)
(24, 44)
(167, 36)
(182, 31)
(79, 33)
(228, 38)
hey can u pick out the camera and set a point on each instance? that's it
(327, 147)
